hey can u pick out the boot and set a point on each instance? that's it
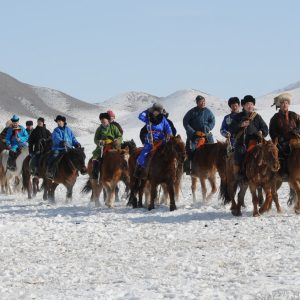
(140, 172)
(11, 162)
(51, 172)
(96, 169)
(187, 166)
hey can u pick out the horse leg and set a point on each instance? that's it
(276, 200)
(296, 186)
(109, 188)
(241, 197)
(69, 194)
(35, 183)
(170, 187)
(194, 188)
(117, 198)
(260, 196)
(212, 181)
(141, 192)
(254, 200)
(268, 202)
(153, 195)
(203, 188)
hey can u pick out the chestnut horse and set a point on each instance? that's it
(207, 160)
(165, 166)
(262, 165)
(114, 168)
(68, 165)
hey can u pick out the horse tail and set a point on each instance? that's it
(25, 176)
(223, 192)
(87, 188)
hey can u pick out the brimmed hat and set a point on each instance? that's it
(281, 98)
(15, 118)
(104, 116)
(60, 118)
(248, 98)
(233, 100)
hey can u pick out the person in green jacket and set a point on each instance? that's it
(107, 137)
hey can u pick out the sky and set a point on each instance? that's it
(94, 50)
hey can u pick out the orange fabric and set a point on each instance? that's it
(251, 145)
(200, 143)
(200, 134)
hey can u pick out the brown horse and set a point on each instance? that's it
(207, 160)
(114, 168)
(294, 171)
(68, 165)
(165, 167)
(262, 165)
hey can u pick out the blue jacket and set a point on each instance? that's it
(11, 139)
(198, 120)
(63, 134)
(159, 131)
(225, 126)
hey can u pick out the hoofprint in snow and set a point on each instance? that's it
(199, 251)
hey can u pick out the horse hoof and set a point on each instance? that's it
(150, 207)
(236, 213)
(256, 214)
(140, 205)
(297, 211)
(262, 211)
(173, 207)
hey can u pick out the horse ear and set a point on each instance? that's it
(82, 149)
(276, 141)
(127, 149)
(178, 136)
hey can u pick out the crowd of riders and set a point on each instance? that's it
(243, 128)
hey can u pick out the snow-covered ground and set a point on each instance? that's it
(200, 251)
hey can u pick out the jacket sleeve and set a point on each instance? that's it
(210, 122)
(48, 134)
(97, 136)
(117, 134)
(24, 137)
(73, 138)
(167, 127)
(273, 129)
(224, 128)
(235, 126)
(56, 137)
(31, 141)
(174, 131)
(8, 136)
(143, 116)
(263, 126)
(186, 124)
(143, 134)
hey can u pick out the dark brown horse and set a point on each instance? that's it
(114, 168)
(165, 167)
(69, 165)
(207, 161)
(262, 165)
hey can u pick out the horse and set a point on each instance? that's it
(68, 165)
(113, 168)
(165, 166)
(206, 161)
(13, 174)
(262, 165)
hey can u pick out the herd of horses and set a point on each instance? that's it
(164, 171)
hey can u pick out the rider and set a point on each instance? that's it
(38, 140)
(198, 123)
(16, 139)
(284, 126)
(144, 131)
(158, 129)
(234, 104)
(107, 137)
(29, 127)
(248, 128)
(62, 140)
(3, 135)
(112, 116)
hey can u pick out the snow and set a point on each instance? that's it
(200, 251)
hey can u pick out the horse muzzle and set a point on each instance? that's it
(83, 171)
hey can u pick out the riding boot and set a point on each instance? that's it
(187, 166)
(51, 172)
(96, 169)
(11, 162)
(140, 172)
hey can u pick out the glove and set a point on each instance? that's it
(101, 143)
(115, 142)
(227, 135)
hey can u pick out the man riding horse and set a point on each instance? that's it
(198, 123)
(248, 128)
(16, 139)
(39, 143)
(3, 135)
(62, 140)
(159, 131)
(107, 137)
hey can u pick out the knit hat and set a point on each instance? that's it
(104, 116)
(233, 100)
(111, 113)
(248, 98)
(281, 98)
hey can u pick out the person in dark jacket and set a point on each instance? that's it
(144, 131)
(248, 128)
(3, 135)
(198, 123)
(112, 120)
(284, 126)
(29, 127)
(39, 143)
(234, 104)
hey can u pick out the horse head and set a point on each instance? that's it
(176, 146)
(131, 145)
(268, 155)
(77, 157)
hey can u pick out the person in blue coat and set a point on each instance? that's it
(234, 104)
(198, 122)
(62, 140)
(158, 129)
(16, 139)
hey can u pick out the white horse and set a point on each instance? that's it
(13, 175)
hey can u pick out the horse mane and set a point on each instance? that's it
(130, 144)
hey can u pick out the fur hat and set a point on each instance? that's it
(29, 123)
(248, 98)
(233, 100)
(41, 119)
(281, 98)
(60, 118)
(157, 107)
(104, 116)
